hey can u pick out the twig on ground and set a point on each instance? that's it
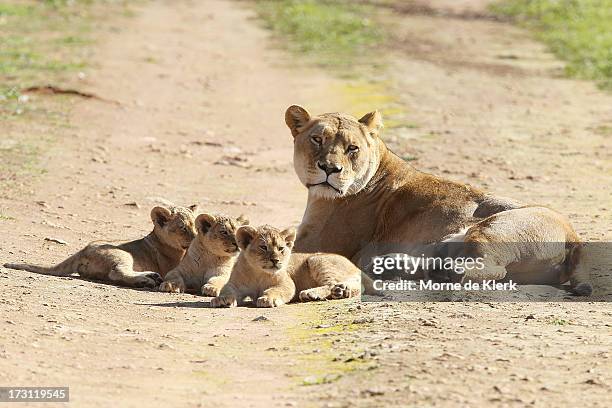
(55, 90)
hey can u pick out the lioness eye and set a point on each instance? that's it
(316, 140)
(352, 148)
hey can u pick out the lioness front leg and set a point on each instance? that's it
(275, 296)
(214, 285)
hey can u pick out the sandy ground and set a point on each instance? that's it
(199, 84)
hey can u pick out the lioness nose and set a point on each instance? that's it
(329, 168)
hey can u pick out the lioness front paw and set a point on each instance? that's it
(148, 280)
(224, 301)
(210, 290)
(266, 301)
(172, 287)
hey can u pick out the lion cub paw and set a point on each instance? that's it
(147, 280)
(265, 301)
(224, 301)
(310, 295)
(172, 287)
(340, 291)
(210, 290)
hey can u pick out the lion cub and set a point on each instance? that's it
(210, 256)
(268, 273)
(139, 263)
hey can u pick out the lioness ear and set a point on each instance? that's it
(289, 235)
(245, 235)
(193, 208)
(160, 216)
(204, 222)
(296, 118)
(242, 220)
(373, 121)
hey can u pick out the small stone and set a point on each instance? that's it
(372, 392)
(363, 320)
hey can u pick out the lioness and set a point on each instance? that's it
(139, 263)
(362, 197)
(266, 271)
(210, 257)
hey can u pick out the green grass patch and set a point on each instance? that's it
(318, 331)
(559, 322)
(42, 42)
(333, 33)
(346, 38)
(577, 31)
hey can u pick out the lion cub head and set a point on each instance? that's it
(334, 154)
(174, 226)
(266, 248)
(217, 233)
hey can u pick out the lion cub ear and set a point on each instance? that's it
(160, 216)
(373, 121)
(193, 208)
(296, 118)
(204, 222)
(289, 235)
(242, 220)
(245, 235)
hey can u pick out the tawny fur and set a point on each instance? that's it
(269, 274)
(139, 263)
(209, 260)
(361, 197)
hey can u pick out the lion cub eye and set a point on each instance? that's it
(263, 247)
(316, 140)
(352, 148)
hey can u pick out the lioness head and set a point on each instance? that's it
(174, 226)
(334, 154)
(218, 233)
(266, 248)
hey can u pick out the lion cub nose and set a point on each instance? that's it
(329, 168)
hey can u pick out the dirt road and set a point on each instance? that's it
(200, 90)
